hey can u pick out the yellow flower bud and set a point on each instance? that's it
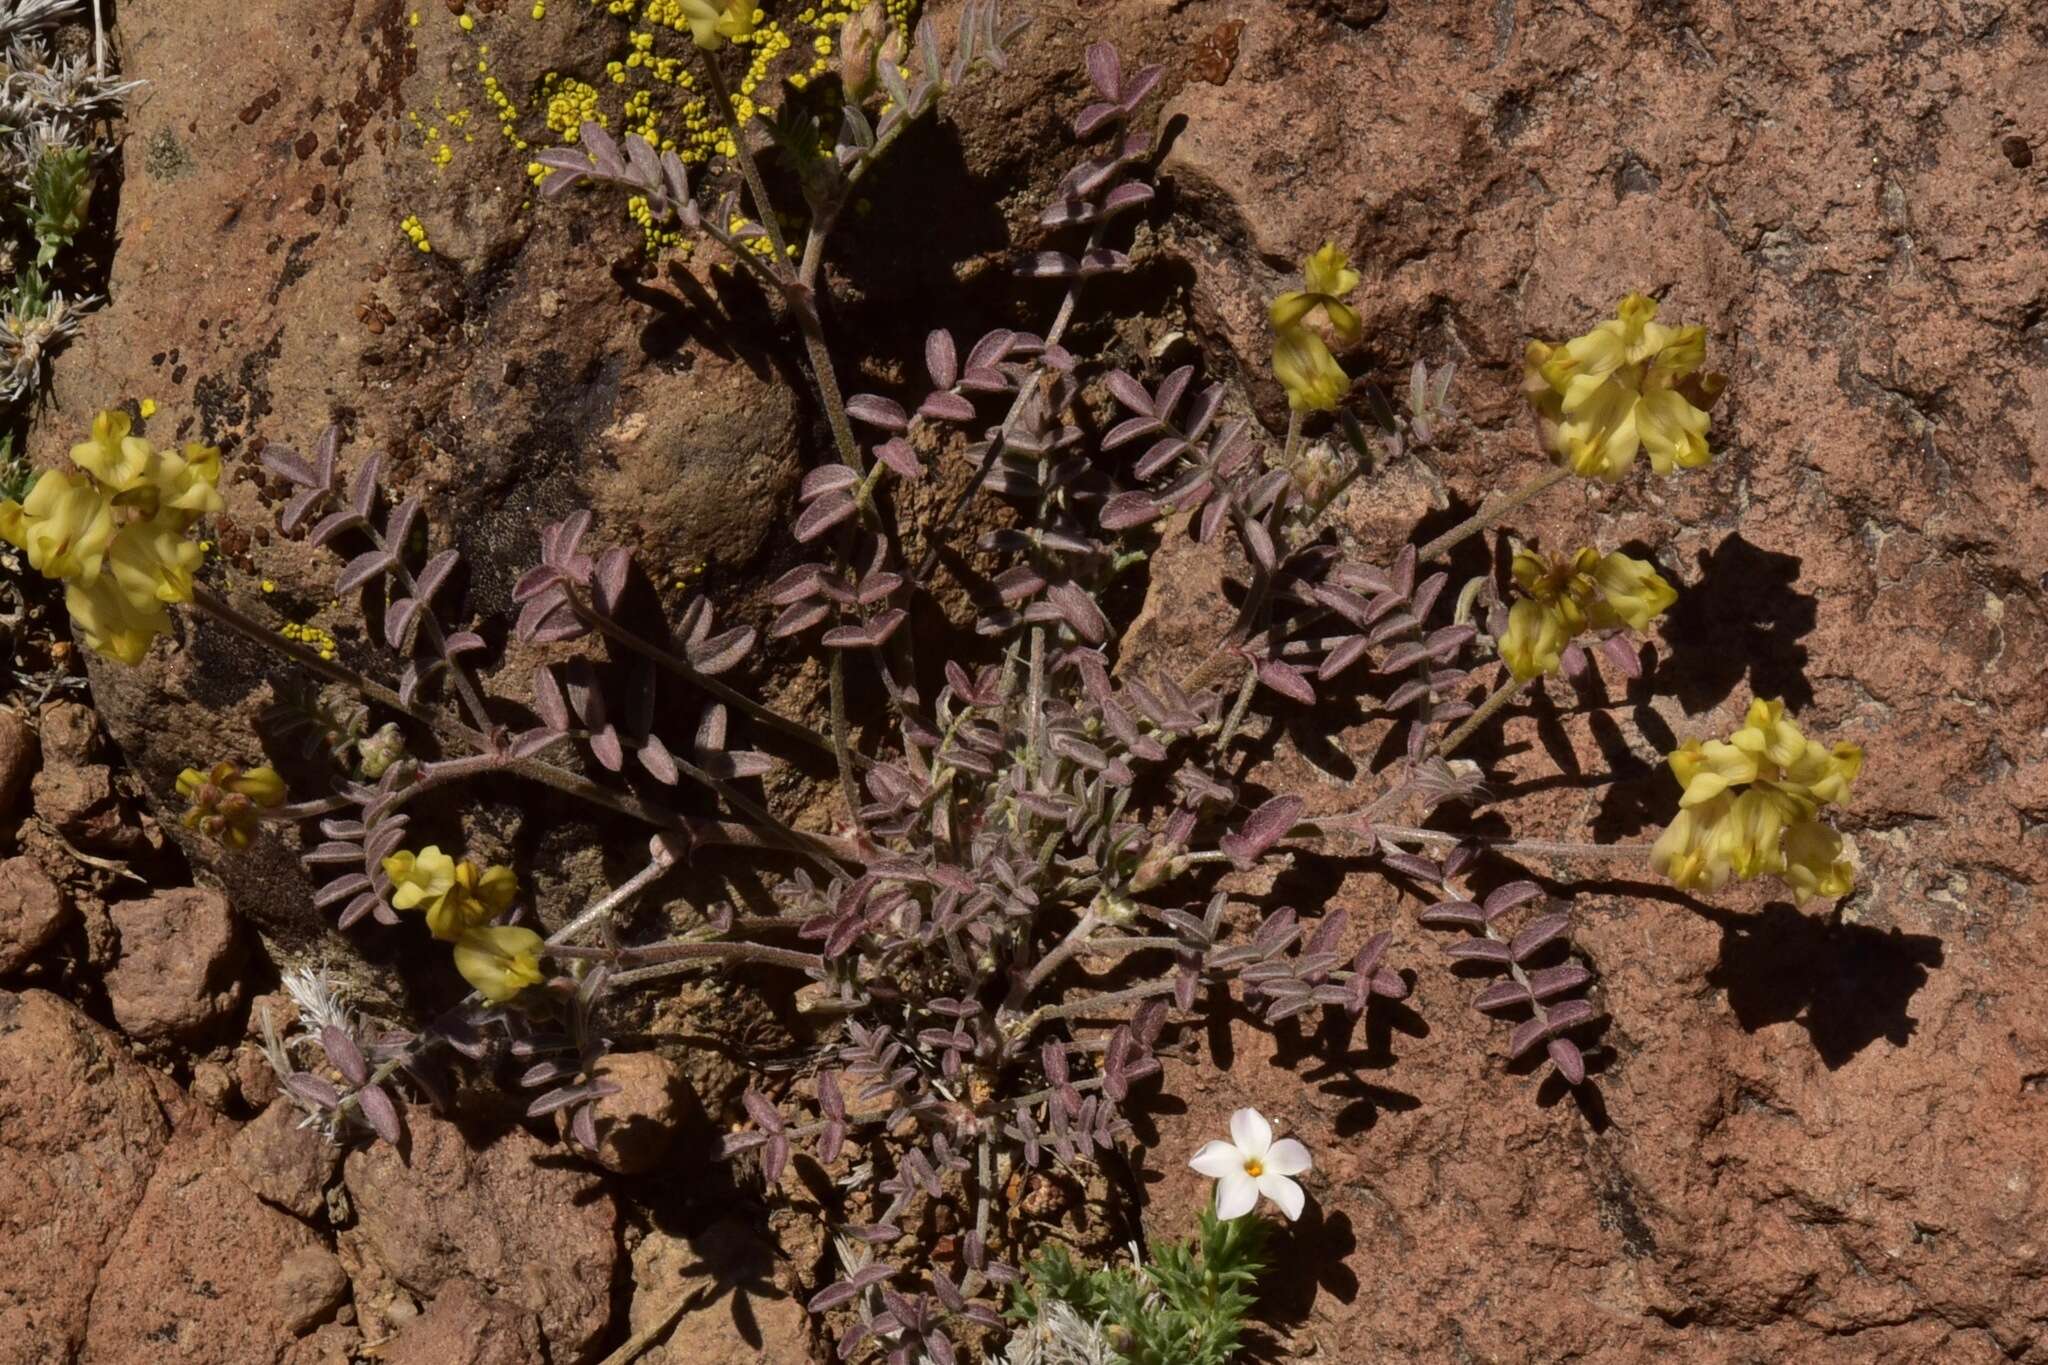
(499, 961)
(1306, 369)
(227, 801)
(1535, 640)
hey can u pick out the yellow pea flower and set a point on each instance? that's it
(64, 526)
(1328, 277)
(1631, 593)
(1690, 851)
(1750, 803)
(423, 878)
(1535, 640)
(1707, 770)
(715, 22)
(1564, 597)
(1813, 862)
(1630, 384)
(499, 961)
(227, 800)
(116, 537)
(110, 454)
(456, 896)
(1750, 834)
(1314, 381)
(1563, 585)
(113, 624)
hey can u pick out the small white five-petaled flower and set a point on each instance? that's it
(1252, 1164)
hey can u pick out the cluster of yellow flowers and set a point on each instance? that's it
(460, 901)
(1629, 383)
(1565, 597)
(116, 537)
(1314, 381)
(1751, 805)
(228, 802)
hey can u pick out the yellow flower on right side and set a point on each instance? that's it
(1630, 384)
(1751, 808)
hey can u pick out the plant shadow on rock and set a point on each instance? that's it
(1846, 984)
(731, 319)
(1742, 616)
(1310, 1257)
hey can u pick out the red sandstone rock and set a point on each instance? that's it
(80, 1130)
(468, 1325)
(285, 1164)
(32, 910)
(509, 1213)
(177, 973)
(205, 1272)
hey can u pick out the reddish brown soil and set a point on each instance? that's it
(1814, 1134)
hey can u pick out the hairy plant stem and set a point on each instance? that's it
(1022, 1030)
(662, 856)
(842, 739)
(1057, 958)
(485, 757)
(704, 682)
(1238, 708)
(1494, 509)
(1034, 705)
(1488, 709)
(1548, 848)
(670, 959)
(764, 209)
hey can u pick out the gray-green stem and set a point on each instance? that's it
(1488, 709)
(1494, 509)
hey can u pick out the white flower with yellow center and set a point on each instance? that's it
(1252, 1164)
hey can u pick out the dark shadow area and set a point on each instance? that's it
(1310, 1257)
(733, 323)
(1847, 985)
(1326, 1058)
(1743, 615)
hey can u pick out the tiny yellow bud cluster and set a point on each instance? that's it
(116, 536)
(411, 226)
(313, 637)
(1302, 362)
(228, 802)
(1751, 808)
(1562, 598)
(1631, 383)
